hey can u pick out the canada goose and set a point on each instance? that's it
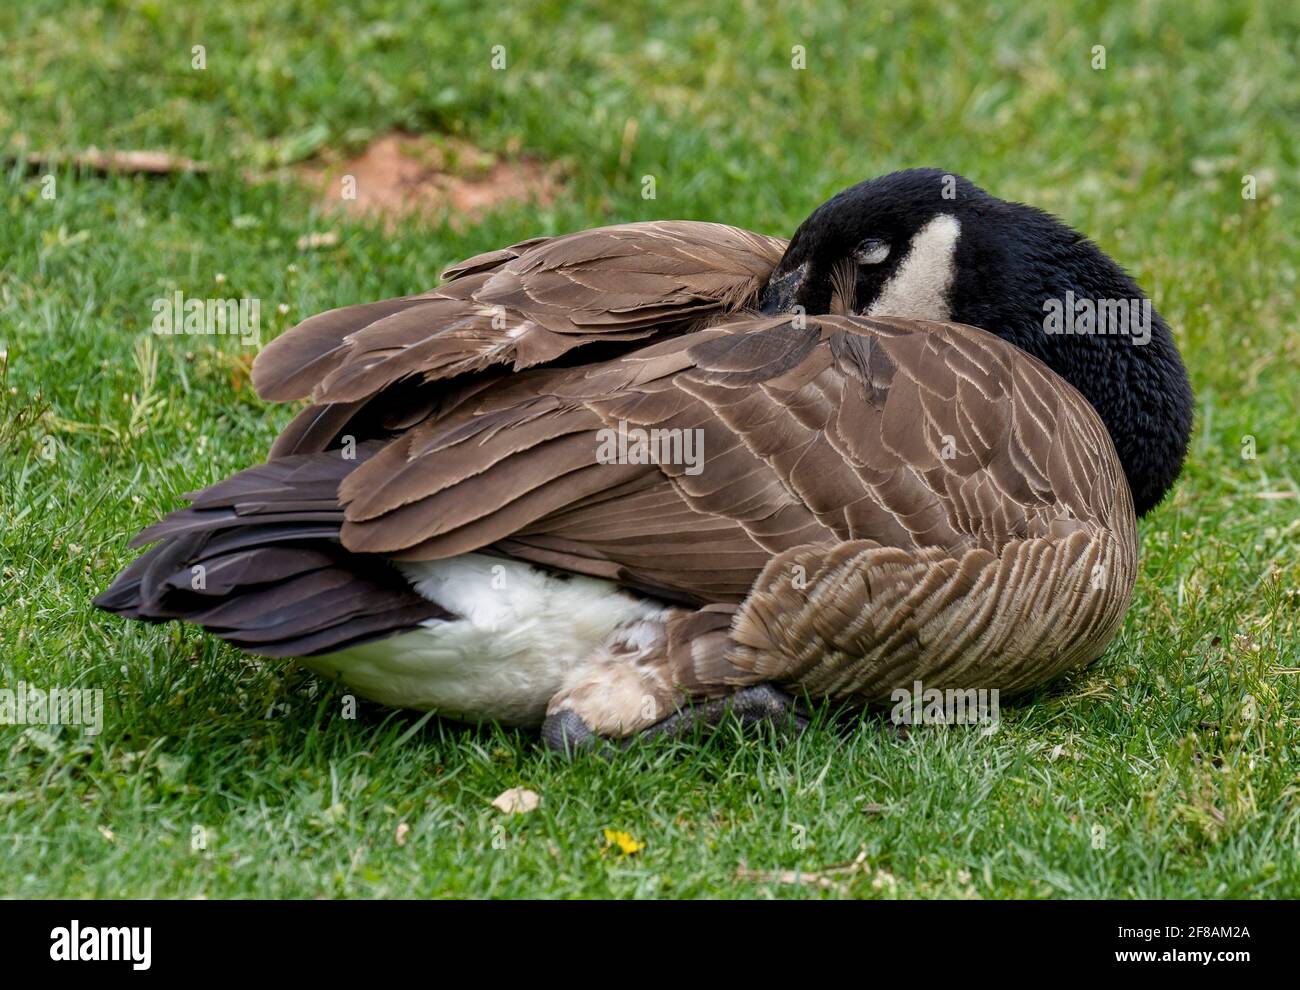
(883, 494)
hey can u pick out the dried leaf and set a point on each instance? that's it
(1061, 752)
(324, 239)
(516, 801)
(825, 878)
(124, 162)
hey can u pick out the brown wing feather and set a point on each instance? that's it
(797, 448)
(523, 306)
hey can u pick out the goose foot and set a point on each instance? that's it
(760, 703)
(566, 732)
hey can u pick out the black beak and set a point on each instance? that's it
(782, 292)
(770, 302)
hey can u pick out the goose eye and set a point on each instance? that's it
(871, 252)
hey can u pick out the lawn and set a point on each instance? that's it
(1170, 768)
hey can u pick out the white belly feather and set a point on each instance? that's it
(523, 630)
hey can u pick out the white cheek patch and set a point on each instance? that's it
(918, 290)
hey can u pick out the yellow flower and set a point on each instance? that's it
(623, 840)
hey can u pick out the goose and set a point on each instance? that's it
(620, 482)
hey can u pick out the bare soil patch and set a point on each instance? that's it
(402, 174)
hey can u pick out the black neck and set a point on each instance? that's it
(1135, 379)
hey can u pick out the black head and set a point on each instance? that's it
(925, 244)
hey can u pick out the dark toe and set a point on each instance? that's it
(565, 732)
(768, 703)
(759, 703)
(762, 701)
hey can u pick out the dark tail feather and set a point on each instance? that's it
(257, 560)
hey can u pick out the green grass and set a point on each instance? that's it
(1182, 743)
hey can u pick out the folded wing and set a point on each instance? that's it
(524, 306)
